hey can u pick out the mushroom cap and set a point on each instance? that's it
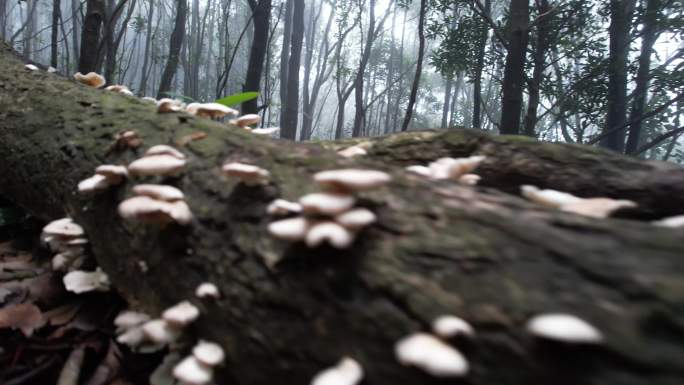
(149, 99)
(469, 179)
(419, 170)
(128, 319)
(150, 210)
(114, 173)
(448, 326)
(247, 120)
(65, 227)
(91, 79)
(347, 372)
(160, 331)
(31, 67)
(290, 229)
(93, 184)
(352, 179)
(181, 314)
(326, 203)
(676, 221)
(120, 89)
(549, 198)
(564, 328)
(169, 105)
(265, 130)
(132, 336)
(331, 232)
(208, 353)
(159, 191)
(191, 371)
(356, 218)
(249, 174)
(431, 355)
(51, 70)
(157, 165)
(283, 207)
(454, 168)
(163, 149)
(210, 110)
(207, 289)
(352, 151)
(83, 281)
(597, 207)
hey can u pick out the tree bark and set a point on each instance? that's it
(262, 17)
(438, 248)
(144, 74)
(359, 111)
(177, 37)
(54, 46)
(288, 127)
(514, 73)
(479, 67)
(90, 36)
(649, 35)
(419, 66)
(447, 102)
(285, 56)
(541, 46)
(620, 22)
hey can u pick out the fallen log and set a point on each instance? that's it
(286, 311)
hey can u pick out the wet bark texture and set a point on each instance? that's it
(480, 253)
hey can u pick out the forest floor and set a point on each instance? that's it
(51, 336)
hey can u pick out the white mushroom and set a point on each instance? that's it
(448, 326)
(31, 67)
(352, 151)
(676, 221)
(249, 174)
(83, 281)
(128, 319)
(346, 372)
(431, 355)
(51, 70)
(157, 165)
(150, 210)
(469, 179)
(181, 314)
(94, 183)
(326, 203)
(159, 192)
(119, 89)
(419, 170)
(163, 149)
(330, 232)
(91, 79)
(283, 207)
(246, 120)
(207, 289)
(597, 207)
(352, 179)
(291, 229)
(192, 372)
(210, 110)
(356, 219)
(105, 176)
(160, 331)
(265, 130)
(208, 353)
(565, 328)
(549, 198)
(169, 105)
(454, 168)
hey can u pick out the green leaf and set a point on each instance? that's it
(10, 216)
(232, 100)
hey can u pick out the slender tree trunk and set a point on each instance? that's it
(419, 65)
(310, 39)
(177, 37)
(54, 32)
(390, 73)
(400, 70)
(288, 128)
(649, 35)
(360, 112)
(90, 36)
(447, 101)
(76, 28)
(261, 11)
(620, 22)
(285, 57)
(3, 19)
(454, 99)
(514, 73)
(541, 46)
(479, 67)
(142, 90)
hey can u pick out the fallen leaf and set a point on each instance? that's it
(26, 317)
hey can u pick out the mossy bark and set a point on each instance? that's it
(480, 253)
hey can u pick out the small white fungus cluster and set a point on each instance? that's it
(90, 79)
(159, 160)
(105, 176)
(67, 239)
(248, 174)
(329, 216)
(347, 372)
(119, 89)
(459, 169)
(591, 207)
(154, 203)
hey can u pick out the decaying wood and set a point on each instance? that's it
(481, 253)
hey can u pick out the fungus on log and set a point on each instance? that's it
(438, 247)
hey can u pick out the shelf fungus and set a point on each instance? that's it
(248, 174)
(83, 281)
(352, 151)
(90, 79)
(198, 368)
(210, 110)
(351, 180)
(166, 105)
(591, 207)
(31, 67)
(159, 160)
(676, 221)
(347, 372)
(283, 207)
(431, 355)
(106, 175)
(564, 328)
(458, 169)
(119, 89)
(246, 120)
(265, 130)
(67, 239)
(156, 204)
(448, 326)
(207, 290)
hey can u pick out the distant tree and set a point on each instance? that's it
(514, 73)
(175, 44)
(419, 65)
(261, 13)
(90, 37)
(288, 126)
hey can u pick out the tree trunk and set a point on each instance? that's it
(479, 67)
(447, 102)
(261, 12)
(359, 110)
(3, 19)
(514, 73)
(142, 91)
(90, 36)
(288, 128)
(177, 37)
(54, 46)
(649, 35)
(285, 56)
(620, 21)
(438, 248)
(541, 46)
(419, 66)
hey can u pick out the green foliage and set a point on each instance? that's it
(235, 99)
(10, 216)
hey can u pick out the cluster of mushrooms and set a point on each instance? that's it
(459, 169)
(329, 216)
